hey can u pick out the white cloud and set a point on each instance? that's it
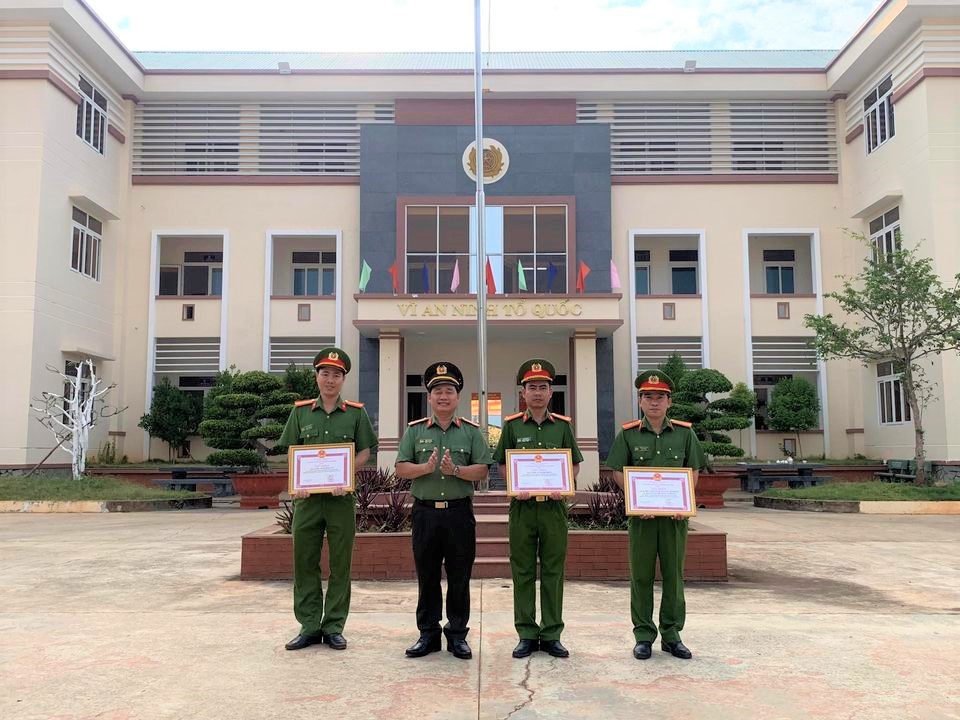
(447, 25)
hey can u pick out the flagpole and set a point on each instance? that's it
(481, 238)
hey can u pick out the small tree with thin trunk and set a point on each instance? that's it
(173, 417)
(901, 312)
(794, 407)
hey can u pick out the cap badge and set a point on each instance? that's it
(654, 379)
(441, 369)
(536, 367)
(333, 356)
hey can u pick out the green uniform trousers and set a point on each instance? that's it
(666, 538)
(312, 517)
(538, 529)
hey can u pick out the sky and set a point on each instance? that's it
(508, 25)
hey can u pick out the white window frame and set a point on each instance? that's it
(891, 397)
(878, 109)
(91, 115)
(86, 244)
(320, 268)
(643, 266)
(211, 268)
(685, 265)
(780, 264)
(886, 240)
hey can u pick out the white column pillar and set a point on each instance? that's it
(584, 371)
(390, 427)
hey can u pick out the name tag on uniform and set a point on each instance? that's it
(306, 428)
(426, 441)
(524, 439)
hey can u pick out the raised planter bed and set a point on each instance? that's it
(267, 554)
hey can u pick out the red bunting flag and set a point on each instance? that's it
(491, 282)
(582, 275)
(396, 277)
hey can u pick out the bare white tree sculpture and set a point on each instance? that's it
(69, 416)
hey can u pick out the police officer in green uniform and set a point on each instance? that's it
(538, 524)
(655, 441)
(445, 456)
(328, 419)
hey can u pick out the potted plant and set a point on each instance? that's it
(243, 414)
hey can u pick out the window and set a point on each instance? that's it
(202, 274)
(211, 157)
(641, 270)
(70, 369)
(779, 271)
(891, 399)
(87, 241)
(878, 115)
(416, 398)
(169, 279)
(188, 312)
(303, 312)
(196, 387)
(783, 311)
(526, 247)
(885, 234)
(683, 277)
(314, 273)
(91, 115)
(669, 311)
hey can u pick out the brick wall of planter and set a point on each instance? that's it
(591, 555)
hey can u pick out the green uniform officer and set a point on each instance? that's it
(328, 419)
(445, 456)
(538, 525)
(656, 441)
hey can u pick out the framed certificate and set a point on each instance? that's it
(659, 491)
(320, 468)
(540, 472)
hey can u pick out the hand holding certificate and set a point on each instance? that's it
(321, 468)
(659, 491)
(540, 472)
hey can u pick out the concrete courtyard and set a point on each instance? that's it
(142, 616)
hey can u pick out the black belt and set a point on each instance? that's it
(442, 504)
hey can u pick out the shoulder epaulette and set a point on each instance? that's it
(681, 423)
(469, 422)
(417, 422)
(632, 424)
(351, 403)
(508, 418)
(301, 403)
(562, 417)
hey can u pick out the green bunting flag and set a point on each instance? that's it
(521, 278)
(364, 276)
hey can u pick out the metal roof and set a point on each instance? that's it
(503, 61)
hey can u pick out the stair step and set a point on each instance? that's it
(491, 567)
(483, 498)
(492, 526)
(491, 508)
(493, 547)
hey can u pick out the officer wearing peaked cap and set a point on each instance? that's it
(655, 441)
(445, 456)
(538, 525)
(326, 420)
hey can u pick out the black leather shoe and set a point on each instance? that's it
(642, 651)
(677, 649)
(525, 648)
(424, 646)
(555, 648)
(460, 649)
(302, 641)
(335, 641)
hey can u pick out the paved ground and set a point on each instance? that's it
(142, 616)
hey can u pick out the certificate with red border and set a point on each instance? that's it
(659, 491)
(320, 468)
(540, 472)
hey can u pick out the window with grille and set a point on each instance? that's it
(878, 120)
(892, 406)
(885, 234)
(91, 115)
(86, 246)
(778, 271)
(641, 269)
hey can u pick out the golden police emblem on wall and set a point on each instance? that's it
(496, 160)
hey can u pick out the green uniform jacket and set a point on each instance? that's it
(466, 444)
(521, 432)
(637, 445)
(310, 424)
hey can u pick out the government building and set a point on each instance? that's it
(172, 214)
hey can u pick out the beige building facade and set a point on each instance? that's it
(175, 214)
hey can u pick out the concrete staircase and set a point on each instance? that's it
(493, 553)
